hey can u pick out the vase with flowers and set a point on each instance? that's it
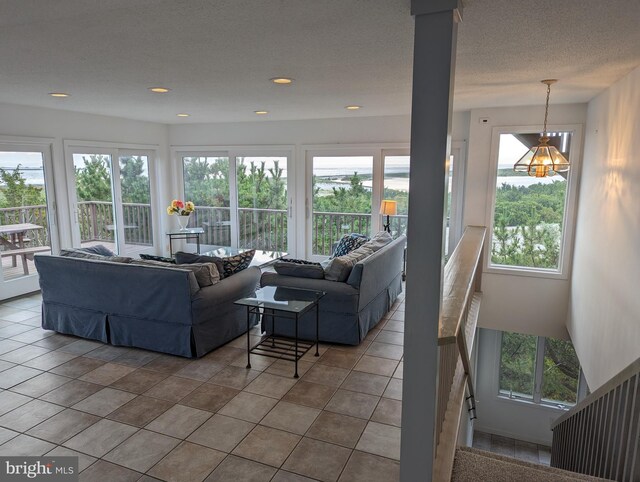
(182, 210)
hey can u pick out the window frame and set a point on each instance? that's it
(538, 375)
(570, 212)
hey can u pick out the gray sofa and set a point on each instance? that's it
(155, 308)
(350, 309)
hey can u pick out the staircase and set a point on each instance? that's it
(473, 465)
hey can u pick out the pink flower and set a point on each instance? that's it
(179, 204)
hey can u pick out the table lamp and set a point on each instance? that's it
(388, 208)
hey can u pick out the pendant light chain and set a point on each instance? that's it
(546, 110)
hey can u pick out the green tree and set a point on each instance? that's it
(16, 192)
(93, 180)
(134, 180)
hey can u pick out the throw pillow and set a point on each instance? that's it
(189, 258)
(81, 253)
(339, 269)
(293, 267)
(152, 257)
(235, 264)
(99, 249)
(206, 273)
(348, 243)
(378, 241)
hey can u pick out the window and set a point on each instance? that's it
(396, 188)
(530, 214)
(538, 369)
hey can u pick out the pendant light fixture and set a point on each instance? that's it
(543, 160)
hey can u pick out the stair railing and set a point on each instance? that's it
(456, 334)
(600, 436)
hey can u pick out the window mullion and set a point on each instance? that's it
(537, 390)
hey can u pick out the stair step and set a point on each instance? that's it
(473, 465)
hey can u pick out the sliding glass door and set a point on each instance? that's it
(112, 199)
(27, 220)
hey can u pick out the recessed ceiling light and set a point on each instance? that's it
(58, 94)
(282, 80)
(353, 107)
(159, 90)
(261, 112)
(183, 115)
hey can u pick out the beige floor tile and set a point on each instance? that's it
(50, 360)
(134, 357)
(139, 381)
(258, 362)
(284, 476)
(385, 350)
(105, 471)
(41, 384)
(201, 370)
(54, 342)
(29, 415)
(380, 439)
(106, 374)
(24, 354)
(173, 389)
(7, 346)
(25, 446)
(267, 445)
(326, 375)
(365, 383)
(5, 365)
(337, 429)
(397, 326)
(100, 438)
(80, 347)
(142, 450)
(16, 375)
(310, 394)
(236, 468)
(388, 411)
(6, 435)
(187, 463)
(10, 400)
(209, 397)
(140, 411)
(106, 352)
(226, 354)
(376, 365)
(63, 426)
(71, 393)
(104, 402)
(77, 367)
(33, 335)
(370, 468)
(221, 433)
(286, 368)
(235, 377)
(167, 364)
(318, 460)
(84, 460)
(354, 404)
(271, 385)
(179, 421)
(392, 337)
(290, 417)
(399, 371)
(394, 389)
(339, 358)
(248, 406)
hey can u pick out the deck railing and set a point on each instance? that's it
(29, 214)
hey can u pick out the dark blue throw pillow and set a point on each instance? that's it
(98, 249)
(190, 258)
(348, 243)
(151, 257)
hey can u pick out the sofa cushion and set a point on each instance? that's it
(83, 254)
(339, 269)
(235, 264)
(348, 243)
(378, 241)
(98, 249)
(153, 257)
(189, 258)
(299, 268)
(206, 273)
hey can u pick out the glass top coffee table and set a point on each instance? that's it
(261, 259)
(289, 303)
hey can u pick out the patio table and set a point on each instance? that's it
(12, 237)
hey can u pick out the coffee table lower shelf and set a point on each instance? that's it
(282, 348)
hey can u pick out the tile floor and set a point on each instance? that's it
(132, 415)
(529, 452)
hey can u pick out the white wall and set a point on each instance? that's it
(604, 314)
(23, 121)
(511, 302)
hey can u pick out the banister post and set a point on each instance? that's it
(433, 77)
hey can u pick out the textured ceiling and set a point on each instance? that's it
(218, 56)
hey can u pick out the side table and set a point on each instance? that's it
(186, 234)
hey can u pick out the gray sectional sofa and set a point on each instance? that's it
(350, 309)
(155, 308)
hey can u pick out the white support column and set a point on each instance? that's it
(433, 76)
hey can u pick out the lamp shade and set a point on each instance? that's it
(542, 160)
(389, 208)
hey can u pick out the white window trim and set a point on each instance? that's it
(566, 245)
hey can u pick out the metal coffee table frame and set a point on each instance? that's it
(280, 347)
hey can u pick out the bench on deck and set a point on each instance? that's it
(24, 253)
